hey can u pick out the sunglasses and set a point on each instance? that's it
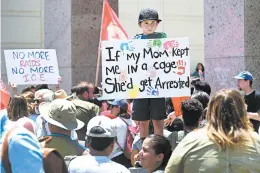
(37, 101)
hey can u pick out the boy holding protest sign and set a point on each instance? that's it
(153, 109)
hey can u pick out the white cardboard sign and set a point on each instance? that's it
(147, 68)
(32, 66)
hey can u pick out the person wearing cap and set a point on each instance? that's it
(100, 139)
(119, 109)
(153, 109)
(148, 21)
(252, 97)
(61, 117)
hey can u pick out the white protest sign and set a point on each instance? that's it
(146, 68)
(32, 66)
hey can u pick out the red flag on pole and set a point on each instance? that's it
(111, 29)
(4, 95)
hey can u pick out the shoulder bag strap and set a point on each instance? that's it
(119, 146)
(116, 139)
(124, 121)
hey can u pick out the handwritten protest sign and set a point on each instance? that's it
(148, 68)
(32, 66)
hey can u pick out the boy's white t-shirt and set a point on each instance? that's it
(121, 135)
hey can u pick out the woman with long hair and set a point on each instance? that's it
(17, 108)
(199, 72)
(18, 114)
(227, 144)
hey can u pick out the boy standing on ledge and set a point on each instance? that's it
(153, 109)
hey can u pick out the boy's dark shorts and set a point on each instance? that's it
(147, 109)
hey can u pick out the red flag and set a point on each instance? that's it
(4, 95)
(111, 28)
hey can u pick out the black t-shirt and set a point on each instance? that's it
(253, 105)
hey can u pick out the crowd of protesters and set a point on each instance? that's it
(52, 131)
(214, 132)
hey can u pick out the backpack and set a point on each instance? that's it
(52, 160)
(130, 135)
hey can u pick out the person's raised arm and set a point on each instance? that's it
(13, 86)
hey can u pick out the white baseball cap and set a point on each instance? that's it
(105, 123)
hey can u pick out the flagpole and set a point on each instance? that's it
(99, 51)
(97, 70)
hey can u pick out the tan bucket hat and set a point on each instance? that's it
(61, 113)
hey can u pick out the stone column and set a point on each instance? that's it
(73, 29)
(252, 39)
(58, 34)
(86, 24)
(232, 41)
